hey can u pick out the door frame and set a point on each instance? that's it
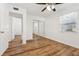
(39, 25)
(12, 21)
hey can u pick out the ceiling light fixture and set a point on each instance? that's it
(49, 8)
(52, 6)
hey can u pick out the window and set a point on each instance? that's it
(68, 22)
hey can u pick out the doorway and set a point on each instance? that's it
(16, 25)
(38, 28)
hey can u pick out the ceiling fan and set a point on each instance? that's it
(49, 6)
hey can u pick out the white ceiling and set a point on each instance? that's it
(35, 9)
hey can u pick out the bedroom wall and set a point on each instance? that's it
(52, 29)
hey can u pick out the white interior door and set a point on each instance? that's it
(4, 27)
(3, 35)
(3, 45)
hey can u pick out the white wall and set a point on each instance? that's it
(4, 27)
(52, 31)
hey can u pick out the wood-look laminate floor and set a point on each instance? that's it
(40, 47)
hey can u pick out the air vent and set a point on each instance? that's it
(16, 8)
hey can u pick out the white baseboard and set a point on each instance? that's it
(60, 40)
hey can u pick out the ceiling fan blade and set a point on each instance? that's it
(54, 9)
(44, 9)
(58, 3)
(41, 3)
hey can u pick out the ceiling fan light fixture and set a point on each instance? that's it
(49, 8)
(54, 9)
(52, 6)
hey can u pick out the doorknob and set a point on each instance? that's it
(1, 32)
